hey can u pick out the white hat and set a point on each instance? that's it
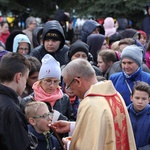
(50, 68)
(18, 39)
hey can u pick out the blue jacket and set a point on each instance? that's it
(45, 142)
(141, 125)
(120, 84)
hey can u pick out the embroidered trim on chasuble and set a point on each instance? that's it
(119, 117)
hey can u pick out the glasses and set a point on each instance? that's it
(34, 23)
(49, 81)
(67, 87)
(23, 49)
(45, 116)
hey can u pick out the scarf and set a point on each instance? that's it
(41, 95)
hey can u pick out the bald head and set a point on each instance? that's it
(78, 68)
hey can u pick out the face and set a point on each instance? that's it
(103, 66)
(142, 40)
(23, 48)
(51, 45)
(49, 85)
(69, 92)
(96, 31)
(129, 66)
(79, 55)
(140, 99)
(105, 45)
(32, 25)
(22, 82)
(32, 78)
(41, 123)
(5, 28)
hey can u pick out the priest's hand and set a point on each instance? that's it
(61, 126)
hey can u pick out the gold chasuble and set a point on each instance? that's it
(103, 122)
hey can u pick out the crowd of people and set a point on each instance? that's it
(92, 93)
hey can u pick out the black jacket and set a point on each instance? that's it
(13, 124)
(39, 52)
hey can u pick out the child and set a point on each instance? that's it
(39, 118)
(33, 75)
(139, 111)
(74, 100)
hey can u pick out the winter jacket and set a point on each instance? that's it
(45, 142)
(35, 36)
(124, 84)
(141, 125)
(13, 123)
(95, 42)
(40, 51)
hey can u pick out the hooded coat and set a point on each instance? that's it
(95, 42)
(35, 36)
(20, 38)
(122, 24)
(88, 27)
(10, 39)
(130, 33)
(40, 51)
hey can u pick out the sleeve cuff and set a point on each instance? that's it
(72, 126)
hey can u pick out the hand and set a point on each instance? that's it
(61, 126)
(65, 141)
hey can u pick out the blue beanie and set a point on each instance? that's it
(133, 52)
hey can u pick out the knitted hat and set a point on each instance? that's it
(133, 52)
(50, 68)
(77, 47)
(54, 35)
